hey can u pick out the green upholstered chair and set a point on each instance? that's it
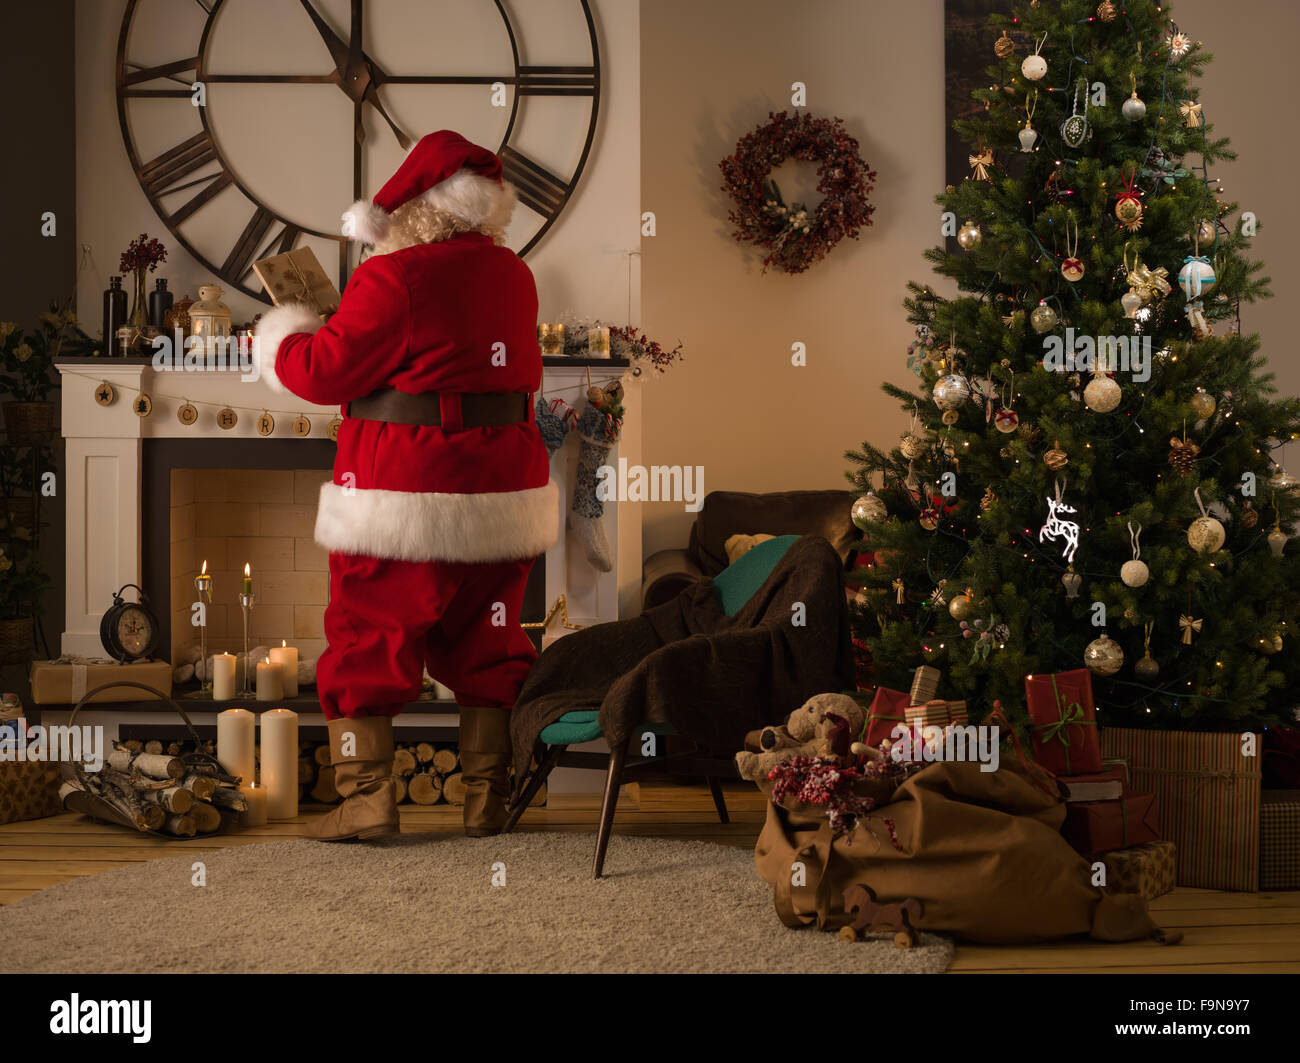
(734, 585)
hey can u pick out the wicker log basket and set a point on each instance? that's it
(17, 640)
(166, 796)
(29, 424)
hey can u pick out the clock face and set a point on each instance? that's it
(134, 630)
(252, 124)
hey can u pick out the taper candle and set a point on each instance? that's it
(236, 739)
(280, 762)
(248, 578)
(223, 676)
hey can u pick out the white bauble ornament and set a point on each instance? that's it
(969, 235)
(951, 391)
(1196, 276)
(1131, 302)
(1043, 318)
(1034, 67)
(1206, 535)
(1134, 573)
(1104, 656)
(912, 447)
(1102, 394)
(1028, 138)
(1134, 109)
(868, 510)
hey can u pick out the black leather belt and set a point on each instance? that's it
(476, 410)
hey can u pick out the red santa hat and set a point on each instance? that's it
(449, 173)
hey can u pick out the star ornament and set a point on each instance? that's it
(1191, 114)
(1178, 43)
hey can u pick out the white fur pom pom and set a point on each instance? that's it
(365, 222)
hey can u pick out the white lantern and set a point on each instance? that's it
(210, 317)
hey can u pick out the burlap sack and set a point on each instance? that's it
(982, 851)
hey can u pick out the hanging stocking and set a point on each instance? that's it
(555, 420)
(598, 429)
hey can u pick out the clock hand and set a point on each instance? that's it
(372, 97)
(337, 48)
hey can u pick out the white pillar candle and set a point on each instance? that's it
(256, 797)
(286, 657)
(223, 676)
(235, 741)
(270, 687)
(280, 762)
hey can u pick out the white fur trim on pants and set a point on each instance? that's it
(432, 526)
(272, 328)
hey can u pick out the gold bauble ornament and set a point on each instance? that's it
(1004, 46)
(961, 606)
(912, 446)
(969, 235)
(1206, 535)
(868, 510)
(1147, 668)
(1103, 656)
(1249, 514)
(1203, 404)
(1102, 394)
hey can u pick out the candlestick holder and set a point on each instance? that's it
(203, 584)
(246, 605)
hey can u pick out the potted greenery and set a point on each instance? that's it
(27, 373)
(22, 582)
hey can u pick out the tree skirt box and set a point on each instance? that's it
(28, 790)
(1279, 840)
(66, 680)
(1149, 870)
(1209, 800)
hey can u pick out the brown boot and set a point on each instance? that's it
(485, 768)
(364, 780)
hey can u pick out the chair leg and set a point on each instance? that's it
(719, 802)
(613, 780)
(535, 780)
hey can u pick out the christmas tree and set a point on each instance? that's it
(1090, 474)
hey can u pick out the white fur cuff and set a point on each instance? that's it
(272, 328)
(432, 526)
(365, 222)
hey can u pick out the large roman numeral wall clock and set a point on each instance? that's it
(303, 106)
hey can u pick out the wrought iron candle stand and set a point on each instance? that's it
(203, 584)
(246, 605)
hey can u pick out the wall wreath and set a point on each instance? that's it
(795, 237)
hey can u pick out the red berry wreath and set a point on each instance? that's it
(795, 237)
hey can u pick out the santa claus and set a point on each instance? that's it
(441, 496)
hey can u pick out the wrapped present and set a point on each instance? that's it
(64, 681)
(28, 789)
(1148, 870)
(888, 710)
(1279, 840)
(925, 684)
(1209, 795)
(1064, 722)
(936, 711)
(1121, 766)
(298, 277)
(1109, 784)
(1094, 827)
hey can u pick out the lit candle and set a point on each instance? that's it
(223, 676)
(286, 657)
(236, 739)
(280, 762)
(598, 341)
(204, 582)
(270, 687)
(256, 797)
(248, 579)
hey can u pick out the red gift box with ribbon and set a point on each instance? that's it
(888, 710)
(1064, 722)
(1094, 827)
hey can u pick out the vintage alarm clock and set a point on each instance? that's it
(129, 630)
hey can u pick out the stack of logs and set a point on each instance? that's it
(426, 775)
(149, 787)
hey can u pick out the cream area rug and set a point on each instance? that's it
(522, 903)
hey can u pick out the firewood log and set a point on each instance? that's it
(403, 762)
(324, 791)
(181, 826)
(424, 752)
(154, 765)
(424, 788)
(229, 797)
(399, 785)
(154, 746)
(206, 817)
(75, 798)
(453, 789)
(201, 786)
(110, 783)
(446, 761)
(175, 799)
(133, 745)
(322, 755)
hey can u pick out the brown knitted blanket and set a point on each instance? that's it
(686, 663)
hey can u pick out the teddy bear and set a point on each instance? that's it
(824, 726)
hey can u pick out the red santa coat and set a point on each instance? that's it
(458, 316)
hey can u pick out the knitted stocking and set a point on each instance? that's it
(555, 419)
(598, 428)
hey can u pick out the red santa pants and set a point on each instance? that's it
(387, 619)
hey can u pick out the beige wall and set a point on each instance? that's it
(712, 71)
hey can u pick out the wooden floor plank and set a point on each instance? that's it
(1223, 932)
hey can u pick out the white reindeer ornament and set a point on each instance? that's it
(1056, 528)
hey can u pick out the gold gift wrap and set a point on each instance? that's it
(66, 680)
(1149, 870)
(298, 277)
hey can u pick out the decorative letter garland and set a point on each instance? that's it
(795, 237)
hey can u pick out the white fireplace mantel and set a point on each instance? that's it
(103, 486)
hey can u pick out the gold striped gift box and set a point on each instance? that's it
(1208, 794)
